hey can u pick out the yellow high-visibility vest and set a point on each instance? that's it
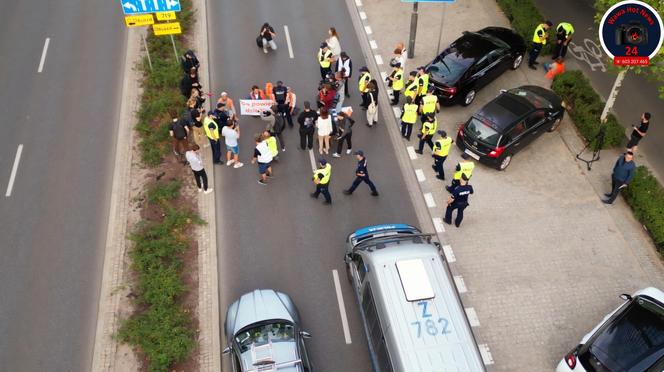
(466, 167)
(411, 90)
(425, 84)
(324, 59)
(397, 83)
(536, 38)
(326, 172)
(442, 146)
(212, 134)
(272, 145)
(409, 113)
(569, 29)
(429, 103)
(364, 80)
(429, 127)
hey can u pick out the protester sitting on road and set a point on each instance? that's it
(555, 68)
(256, 93)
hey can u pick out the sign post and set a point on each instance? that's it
(138, 21)
(413, 23)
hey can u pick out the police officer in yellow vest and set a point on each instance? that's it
(395, 81)
(429, 127)
(324, 60)
(362, 86)
(429, 104)
(441, 148)
(539, 40)
(322, 180)
(422, 82)
(464, 167)
(564, 33)
(212, 133)
(408, 118)
(411, 86)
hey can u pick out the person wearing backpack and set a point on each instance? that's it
(307, 121)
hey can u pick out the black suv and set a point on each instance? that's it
(508, 123)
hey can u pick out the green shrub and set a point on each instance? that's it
(524, 17)
(160, 193)
(646, 197)
(585, 107)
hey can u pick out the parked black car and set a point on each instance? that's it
(508, 123)
(473, 61)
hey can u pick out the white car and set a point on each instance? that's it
(630, 338)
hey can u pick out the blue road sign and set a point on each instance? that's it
(149, 6)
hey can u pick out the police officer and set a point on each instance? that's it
(408, 118)
(564, 33)
(324, 60)
(212, 133)
(322, 180)
(464, 167)
(361, 175)
(411, 86)
(429, 127)
(441, 149)
(363, 86)
(395, 80)
(422, 83)
(539, 41)
(459, 201)
(279, 96)
(429, 104)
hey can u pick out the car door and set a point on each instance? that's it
(515, 138)
(477, 75)
(535, 124)
(304, 355)
(496, 65)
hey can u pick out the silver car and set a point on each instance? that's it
(263, 333)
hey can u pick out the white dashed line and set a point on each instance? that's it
(12, 177)
(449, 253)
(363, 16)
(288, 41)
(472, 317)
(460, 284)
(342, 307)
(43, 56)
(312, 159)
(397, 112)
(486, 354)
(379, 59)
(438, 224)
(368, 30)
(428, 197)
(420, 175)
(373, 44)
(411, 152)
(358, 2)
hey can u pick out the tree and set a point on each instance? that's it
(656, 69)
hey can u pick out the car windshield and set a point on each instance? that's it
(634, 337)
(449, 65)
(537, 100)
(482, 132)
(267, 343)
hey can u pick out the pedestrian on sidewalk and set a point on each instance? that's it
(429, 128)
(196, 163)
(639, 132)
(539, 41)
(345, 133)
(408, 118)
(555, 68)
(372, 109)
(441, 149)
(363, 82)
(324, 60)
(307, 121)
(623, 173)
(333, 42)
(395, 81)
(400, 54)
(190, 82)
(345, 64)
(189, 61)
(564, 33)
(212, 133)
(267, 35)
(464, 168)
(263, 157)
(231, 134)
(324, 129)
(361, 175)
(458, 200)
(321, 179)
(179, 131)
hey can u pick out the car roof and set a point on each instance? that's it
(503, 110)
(474, 43)
(257, 306)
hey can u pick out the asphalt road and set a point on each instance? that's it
(637, 94)
(276, 236)
(54, 222)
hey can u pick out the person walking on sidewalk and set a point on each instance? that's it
(361, 175)
(464, 168)
(324, 129)
(408, 118)
(539, 41)
(458, 200)
(564, 33)
(196, 163)
(267, 35)
(372, 109)
(639, 132)
(262, 156)
(363, 82)
(429, 128)
(231, 133)
(441, 149)
(395, 81)
(324, 60)
(212, 133)
(345, 64)
(307, 121)
(321, 179)
(345, 130)
(623, 173)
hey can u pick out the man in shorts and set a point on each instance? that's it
(231, 133)
(263, 157)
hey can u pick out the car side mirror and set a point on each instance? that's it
(503, 91)
(305, 334)
(226, 350)
(625, 297)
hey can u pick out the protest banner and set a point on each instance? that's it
(254, 107)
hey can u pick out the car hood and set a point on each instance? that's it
(257, 306)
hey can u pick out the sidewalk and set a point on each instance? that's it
(541, 258)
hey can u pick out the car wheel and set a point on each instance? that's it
(505, 162)
(517, 62)
(555, 125)
(469, 98)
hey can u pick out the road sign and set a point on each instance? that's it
(130, 7)
(139, 20)
(428, 1)
(165, 16)
(166, 28)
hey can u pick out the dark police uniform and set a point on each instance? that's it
(460, 202)
(362, 175)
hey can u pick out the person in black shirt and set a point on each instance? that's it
(458, 200)
(267, 36)
(279, 94)
(190, 82)
(345, 132)
(639, 132)
(189, 61)
(361, 175)
(179, 131)
(307, 121)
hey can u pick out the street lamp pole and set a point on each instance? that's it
(413, 31)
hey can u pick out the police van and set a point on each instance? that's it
(412, 315)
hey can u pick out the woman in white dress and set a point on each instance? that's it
(324, 129)
(333, 42)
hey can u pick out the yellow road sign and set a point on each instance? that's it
(165, 16)
(166, 28)
(139, 20)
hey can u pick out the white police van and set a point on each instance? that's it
(412, 315)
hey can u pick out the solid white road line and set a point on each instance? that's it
(12, 177)
(438, 224)
(358, 2)
(342, 307)
(373, 44)
(420, 175)
(472, 317)
(486, 354)
(449, 253)
(460, 284)
(363, 16)
(428, 198)
(379, 59)
(290, 46)
(411, 152)
(397, 112)
(368, 30)
(312, 159)
(43, 56)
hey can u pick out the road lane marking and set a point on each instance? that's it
(438, 224)
(379, 59)
(420, 175)
(367, 29)
(12, 177)
(43, 56)
(363, 16)
(397, 112)
(373, 44)
(411, 152)
(486, 354)
(383, 75)
(358, 2)
(428, 197)
(342, 307)
(290, 46)
(312, 159)
(449, 253)
(460, 284)
(472, 317)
